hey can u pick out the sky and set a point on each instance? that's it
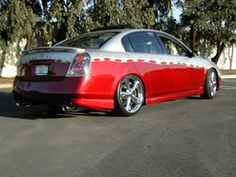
(176, 13)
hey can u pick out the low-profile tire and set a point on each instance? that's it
(129, 96)
(210, 85)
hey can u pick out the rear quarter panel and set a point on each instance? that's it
(207, 64)
(108, 68)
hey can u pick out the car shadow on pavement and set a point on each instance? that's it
(194, 98)
(8, 109)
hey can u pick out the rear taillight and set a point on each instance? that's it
(80, 65)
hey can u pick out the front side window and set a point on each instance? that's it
(173, 48)
(142, 42)
(88, 41)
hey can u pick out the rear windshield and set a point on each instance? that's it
(88, 41)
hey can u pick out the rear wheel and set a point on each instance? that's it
(129, 96)
(210, 85)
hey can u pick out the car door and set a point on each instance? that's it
(187, 75)
(150, 63)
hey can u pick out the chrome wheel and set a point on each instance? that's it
(213, 84)
(210, 85)
(130, 94)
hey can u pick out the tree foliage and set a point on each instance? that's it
(161, 7)
(137, 13)
(17, 19)
(44, 22)
(211, 21)
(50, 21)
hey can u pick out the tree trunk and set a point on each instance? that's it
(220, 49)
(28, 42)
(231, 58)
(2, 60)
(193, 37)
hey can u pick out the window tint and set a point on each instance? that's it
(88, 41)
(127, 45)
(173, 48)
(143, 42)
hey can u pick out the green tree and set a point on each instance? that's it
(213, 22)
(61, 19)
(137, 13)
(161, 8)
(17, 20)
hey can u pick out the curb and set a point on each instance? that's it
(3, 86)
(233, 76)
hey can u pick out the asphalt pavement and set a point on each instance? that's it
(188, 137)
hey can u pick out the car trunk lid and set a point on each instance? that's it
(46, 63)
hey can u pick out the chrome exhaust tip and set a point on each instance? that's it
(70, 107)
(23, 104)
(64, 109)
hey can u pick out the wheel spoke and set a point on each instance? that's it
(128, 103)
(136, 100)
(213, 92)
(124, 94)
(213, 84)
(127, 84)
(136, 85)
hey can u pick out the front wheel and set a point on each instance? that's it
(129, 96)
(210, 85)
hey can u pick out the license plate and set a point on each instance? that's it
(41, 70)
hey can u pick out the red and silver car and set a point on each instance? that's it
(116, 69)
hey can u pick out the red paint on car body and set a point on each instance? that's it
(97, 89)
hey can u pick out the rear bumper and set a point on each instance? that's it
(42, 98)
(70, 90)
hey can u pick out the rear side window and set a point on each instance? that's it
(88, 41)
(142, 42)
(173, 48)
(127, 45)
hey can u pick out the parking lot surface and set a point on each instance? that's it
(188, 137)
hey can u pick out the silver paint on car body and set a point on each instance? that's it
(113, 49)
(62, 54)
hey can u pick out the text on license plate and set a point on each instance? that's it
(41, 70)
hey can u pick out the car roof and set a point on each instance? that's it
(116, 40)
(128, 30)
(114, 44)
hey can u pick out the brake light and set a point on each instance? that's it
(80, 66)
(79, 58)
